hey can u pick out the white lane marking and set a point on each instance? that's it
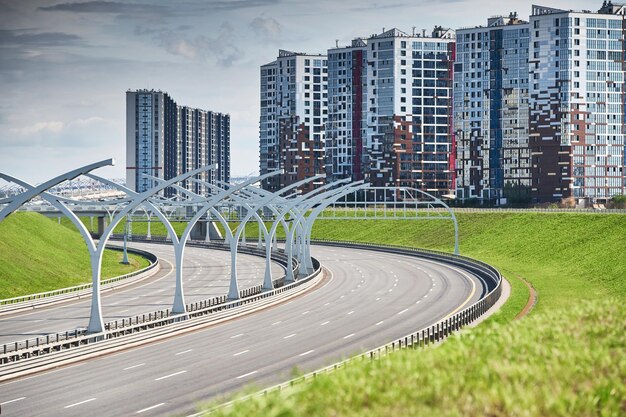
(343, 296)
(378, 299)
(348, 336)
(291, 335)
(123, 311)
(305, 312)
(403, 311)
(149, 408)
(236, 336)
(307, 352)
(379, 323)
(390, 290)
(276, 322)
(170, 375)
(350, 312)
(325, 323)
(326, 304)
(418, 301)
(426, 296)
(82, 402)
(242, 352)
(134, 366)
(245, 375)
(183, 352)
(133, 299)
(12, 401)
(36, 321)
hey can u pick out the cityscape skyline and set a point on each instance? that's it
(65, 67)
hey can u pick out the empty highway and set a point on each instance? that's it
(367, 299)
(207, 275)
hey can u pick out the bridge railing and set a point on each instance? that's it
(38, 346)
(215, 308)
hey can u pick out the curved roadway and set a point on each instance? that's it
(207, 275)
(368, 299)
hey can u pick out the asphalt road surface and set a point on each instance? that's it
(369, 299)
(206, 275)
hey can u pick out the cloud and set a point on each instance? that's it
(267, 28)
(221, 48)
(181, 8)
(40, 127)
(103, 7)
(57, 134)
(26, 37)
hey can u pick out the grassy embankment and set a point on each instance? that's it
(37, 254)
(567, 358)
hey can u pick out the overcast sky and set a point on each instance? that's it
(65, 66)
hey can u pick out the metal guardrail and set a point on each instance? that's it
(535, 210)
(419, 339)
(34, 300)
(15, 351)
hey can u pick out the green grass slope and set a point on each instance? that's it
(37, 255)
(567, 358)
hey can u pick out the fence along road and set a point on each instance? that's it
(207, 274)
(369, 299)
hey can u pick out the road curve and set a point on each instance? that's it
(207, 275)
(368, 299)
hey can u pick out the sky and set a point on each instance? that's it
(65, 66)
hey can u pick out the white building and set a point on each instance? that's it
(293, 117)
(577, 102)
(491, 111)
(346, 129)
(409, 109)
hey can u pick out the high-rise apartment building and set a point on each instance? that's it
(164, 140)
(409, 110)
(293, 118)
(491, 110)
(346, 129)
(577, 103)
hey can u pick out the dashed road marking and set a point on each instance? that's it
(134, 366)
(245, 375)
(170, 375)
(79, 403)
(149, 408)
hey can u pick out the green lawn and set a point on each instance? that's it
(567, 358)
(37, 254)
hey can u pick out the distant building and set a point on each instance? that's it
(164, 140)
(577, 103)
(346, 130)
(491, 110)
(293, 118)
(409, 110)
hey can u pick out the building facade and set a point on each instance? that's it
(346, 129)
(577, 103)
(409, 110)
(294, 112)
(164, 140)
(491, 111)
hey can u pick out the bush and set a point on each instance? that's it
(619, 201)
